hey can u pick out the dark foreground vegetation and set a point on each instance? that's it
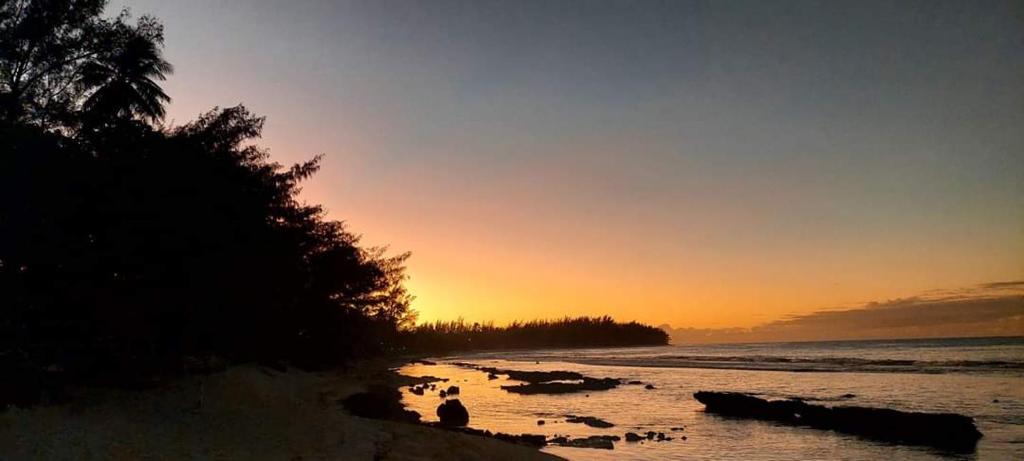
(567, 332)
(942, 430)
(129, 248)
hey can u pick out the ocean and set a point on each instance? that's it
(979, 377)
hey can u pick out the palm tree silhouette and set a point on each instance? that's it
(125, 82)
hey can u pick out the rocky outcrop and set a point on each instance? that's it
(586, 384)
(604, 442)
(942, 430)
(379, 402)
(453, 413)
(589, 421)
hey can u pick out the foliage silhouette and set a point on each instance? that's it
(568, 332)
(123, 81)
(46, 47)
(128, 248)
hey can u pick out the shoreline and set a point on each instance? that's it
(243, 412)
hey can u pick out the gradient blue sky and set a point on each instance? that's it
(704, 164)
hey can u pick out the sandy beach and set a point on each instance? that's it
(245, 412)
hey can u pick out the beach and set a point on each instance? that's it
(245, 412)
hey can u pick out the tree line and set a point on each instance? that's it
(458, 335)
(130, 249)
(128, 246)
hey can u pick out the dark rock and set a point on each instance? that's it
(847, 396)
(586, 384)
(633, 437)
(424, 362)
(635, 382)
(379, 402)
(536, 440)
(661, 436)
(650, 435)
(603, 442)
(649, 387)
(942, 430)
(540, 422)
(453, 390)
(995, 400)
(413, 380)
(677, 429)
(534, 376)
(532, 439)
(452, 413)
(492, 376)
(589, 421)
(443, 394)
(683, 437)
(416, 390)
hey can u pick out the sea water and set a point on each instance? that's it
(981, 378)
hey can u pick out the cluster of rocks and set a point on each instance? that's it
(604, 442)
(558, 387)
(942, 430)
(545, 382)
(535, 440)
(445, 393)
(589, 421)
(647, 386)
(651, 435)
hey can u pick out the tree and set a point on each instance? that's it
(131, 247)
(45, 46)
(123, 79)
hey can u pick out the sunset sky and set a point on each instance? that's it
(707, 165)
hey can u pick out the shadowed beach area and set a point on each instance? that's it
(244, 412)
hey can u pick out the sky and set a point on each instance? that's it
(706, 165)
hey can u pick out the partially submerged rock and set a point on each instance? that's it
(603, 442)
(586, 384)
(453, 413)
(535, 440)
(633, 437)
(589, 421)
(534, 376)
(453, 390)
(942, 430)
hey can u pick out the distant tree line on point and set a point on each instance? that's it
(458, 335)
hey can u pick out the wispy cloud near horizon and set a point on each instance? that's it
(990, 309)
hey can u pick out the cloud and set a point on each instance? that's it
(1004, 285)
(992, 309)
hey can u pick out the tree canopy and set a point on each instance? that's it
(127, 246)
